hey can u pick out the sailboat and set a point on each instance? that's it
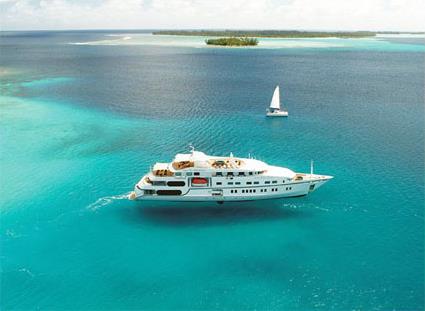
(274, 110)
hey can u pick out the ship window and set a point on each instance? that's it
(168, 192)
(250, 173)
(274, 181)
(254, 190)
(237, 183)
(189, 174)
(196, 174)
(152, 191)
(256, 182)
(249, 183)
(243, 191)
(241, 174)
(236, 191)
(283, 182)
(267, 182)
(219, 174)
(176, 183)
(230, 174)
(231, 191)
(178, 173)
(158, 183)
(230, 183)
(265, 190)
(218, 183)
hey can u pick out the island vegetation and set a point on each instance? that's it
(232, 41)
(267, 33)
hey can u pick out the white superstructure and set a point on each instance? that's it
(274, 110)
(200, 177)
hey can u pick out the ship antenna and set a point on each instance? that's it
(311, 167)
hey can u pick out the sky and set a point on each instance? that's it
(390, 15)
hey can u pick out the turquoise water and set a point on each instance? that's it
(81, 123)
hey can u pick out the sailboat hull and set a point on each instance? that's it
(277, 114)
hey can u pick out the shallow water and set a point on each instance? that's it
(81, 123)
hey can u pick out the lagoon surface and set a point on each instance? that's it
(85, 114)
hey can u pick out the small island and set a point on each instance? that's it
(232, 41)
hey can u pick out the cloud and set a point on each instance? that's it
(239, 14)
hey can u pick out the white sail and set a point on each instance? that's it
(275, 103)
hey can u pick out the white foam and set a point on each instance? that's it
(106, 201)
(27, 271)
(105, 42)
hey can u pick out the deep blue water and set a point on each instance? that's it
(80, 124)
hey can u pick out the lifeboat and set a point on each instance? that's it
(199, 181)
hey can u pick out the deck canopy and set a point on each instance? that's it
(199, 159)
(160, 166)
(280, 171)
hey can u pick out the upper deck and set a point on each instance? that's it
(217, 166)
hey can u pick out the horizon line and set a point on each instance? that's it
(216, 29)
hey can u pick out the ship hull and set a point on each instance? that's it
(236, 194)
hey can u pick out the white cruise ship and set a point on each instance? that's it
(200, 177)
